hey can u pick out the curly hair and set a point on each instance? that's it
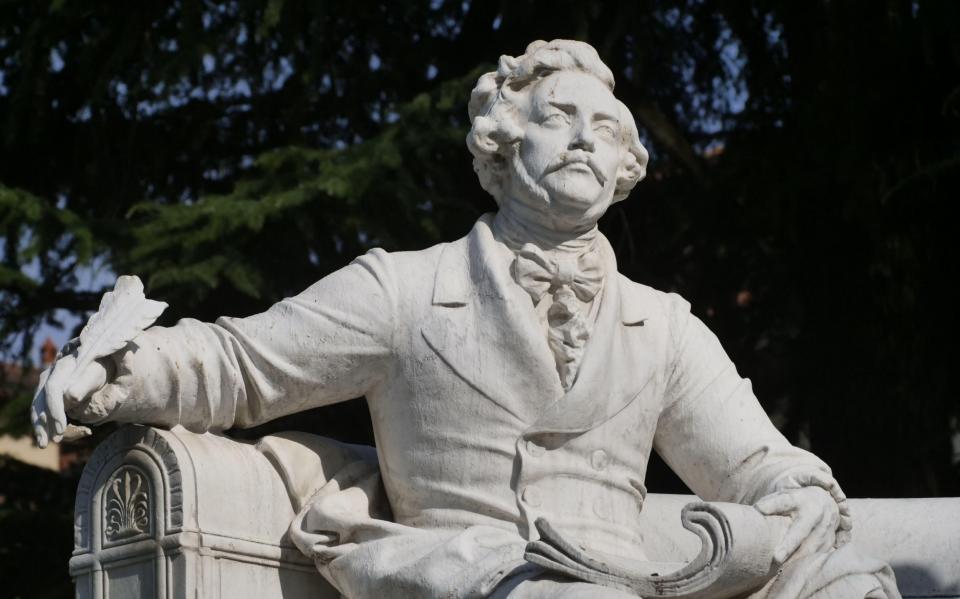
(496, 123)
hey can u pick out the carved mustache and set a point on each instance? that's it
(574, 157)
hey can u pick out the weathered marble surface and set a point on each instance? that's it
(171, 514)
(512, 375)
(919, 538)
(196, 548)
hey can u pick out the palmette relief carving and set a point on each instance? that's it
(126, 449)
(126, 504)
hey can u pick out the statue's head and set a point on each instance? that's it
(547, 132)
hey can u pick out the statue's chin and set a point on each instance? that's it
(562, 203)
(578, 206)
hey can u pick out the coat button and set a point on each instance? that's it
(601, 509)
(531, 496)
(598, 459)
(534, 450)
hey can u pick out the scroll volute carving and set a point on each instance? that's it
(736, 554)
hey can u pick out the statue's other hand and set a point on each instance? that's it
(814, 516)
(64, 390)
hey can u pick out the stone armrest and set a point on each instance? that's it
(919, 538)
(172, 514)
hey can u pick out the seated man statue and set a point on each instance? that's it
(512, 375)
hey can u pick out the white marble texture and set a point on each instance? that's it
(511, 375)
(248, 551)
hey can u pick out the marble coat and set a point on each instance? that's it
(475, 434)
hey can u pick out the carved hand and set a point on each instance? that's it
(815, 517)
(83, 367)
(66, 390)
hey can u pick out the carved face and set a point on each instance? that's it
(571, 147)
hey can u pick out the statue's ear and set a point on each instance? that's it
(643, 157)
(480, 139)
(633, 168)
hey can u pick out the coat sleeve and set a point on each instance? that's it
(713, 432)
(331, 343)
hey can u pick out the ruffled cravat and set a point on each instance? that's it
(573, 280)
(537, 273)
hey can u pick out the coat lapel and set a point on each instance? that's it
(483, 326)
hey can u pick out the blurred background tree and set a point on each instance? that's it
(805, 162)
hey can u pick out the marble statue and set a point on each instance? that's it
(517, 385)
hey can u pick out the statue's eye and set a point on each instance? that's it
(556, 120)
(606, 131)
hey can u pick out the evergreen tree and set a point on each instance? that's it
(805, 158)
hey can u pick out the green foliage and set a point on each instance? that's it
(806, 159)
(294, 192)
(51, 240)
(16, 404)
(37, 529)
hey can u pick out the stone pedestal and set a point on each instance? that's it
(171, 514)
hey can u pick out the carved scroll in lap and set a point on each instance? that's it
(736, 555)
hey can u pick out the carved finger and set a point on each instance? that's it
(62, 372)
(799, 530)
(40, 434)
(846, 522)
(38, 419)
(38, 410)
(779, 503)
(91, 379)
(823, 480)
(824, 532)
(55, 411)
(844, 507)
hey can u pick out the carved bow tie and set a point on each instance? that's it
(538, 274)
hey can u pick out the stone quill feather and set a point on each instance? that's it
(123, 314)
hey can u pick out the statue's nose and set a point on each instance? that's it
(583, 139)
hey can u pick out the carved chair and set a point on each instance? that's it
(172, 514)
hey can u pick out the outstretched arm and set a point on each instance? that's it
(328, 344)
(715, 435)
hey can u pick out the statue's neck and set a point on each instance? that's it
(516, 225)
